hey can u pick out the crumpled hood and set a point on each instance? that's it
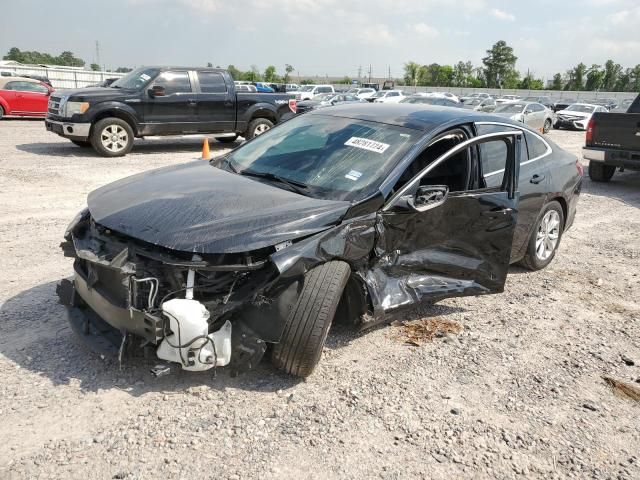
(199, 208)
(573, 113)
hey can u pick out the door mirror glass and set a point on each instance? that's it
(528, 111)
(428, 197)
(157, 91)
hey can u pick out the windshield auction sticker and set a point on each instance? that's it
(366, 144)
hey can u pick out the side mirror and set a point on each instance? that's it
(527, 112)
(428, 197)
(157, 91)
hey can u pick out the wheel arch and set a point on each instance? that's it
(565, 207)
(116, 113)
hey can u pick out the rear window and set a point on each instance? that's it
(211, 82)
(535, 145)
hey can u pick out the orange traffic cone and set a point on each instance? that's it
(205, 150)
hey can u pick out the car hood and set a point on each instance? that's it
(572, 113)
(199, 208)
(96, 93)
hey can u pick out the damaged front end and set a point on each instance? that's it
(199, 310)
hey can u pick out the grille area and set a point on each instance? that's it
(54, 105)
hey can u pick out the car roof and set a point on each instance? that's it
(5, 80)
(409, 115)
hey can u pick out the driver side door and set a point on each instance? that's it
(434, 243)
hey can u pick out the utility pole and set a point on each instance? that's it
(369, 73)
(98, 53)
(389, 77)
(360, 74)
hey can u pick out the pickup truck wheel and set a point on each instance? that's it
(258, 127)
(600, 173)
(545, 237)
(81, 143)
(227, 139)
(308, 324)
(547, 126)
(112, 137)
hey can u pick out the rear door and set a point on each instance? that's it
(174, 111)
(216, 103)
(534, 181)
(536, 118)
(433, 245)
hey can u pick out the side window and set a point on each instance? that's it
(324, 90)
(12, 86)
(483, 129)
(393, 94)
(33, 87)
(493, 157)
(535, 146)
(537, 107)
(174, 82)
(211, 82)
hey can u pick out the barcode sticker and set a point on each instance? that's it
(366, 144)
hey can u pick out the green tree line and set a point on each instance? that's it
(498, 70)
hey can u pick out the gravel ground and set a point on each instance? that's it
(517, 392)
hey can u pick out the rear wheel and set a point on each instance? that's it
(600, 173)
(308, 324)
(112, 137)
(547, 126)
(258, 127)
(545, 237)
(81, 143)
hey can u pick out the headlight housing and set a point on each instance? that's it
(80, 216)
(73, 108)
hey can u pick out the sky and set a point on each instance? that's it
(327, 37)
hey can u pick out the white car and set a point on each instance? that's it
(508, 98)
(448, 95)
(473, 96)
(387, 96)
(577, 115)
(362, 93)
(307, 92)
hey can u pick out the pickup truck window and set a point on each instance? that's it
(212, 82)
(136, 79)
(174, 82)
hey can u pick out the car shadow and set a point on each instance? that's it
(35, 335)
(624, 186)
(140, 147)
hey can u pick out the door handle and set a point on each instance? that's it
(192, 103)
(495, 213)
(536, 179)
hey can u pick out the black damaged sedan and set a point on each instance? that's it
(346, 214)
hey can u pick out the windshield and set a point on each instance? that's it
(510, 108)
(379, 94)
(475, 101)
(324, 97)
(353, 91)
(336, 158)
(427, 100)
(136, 79)
(306, 88)
(581, 108)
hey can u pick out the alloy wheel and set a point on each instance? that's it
(260, 129)
(548, 235)
(114, 138)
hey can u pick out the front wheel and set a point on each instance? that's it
(258, 127)
(307, 325)
(545, 238)
(1, 112)
(600, 173)
(547, 126)
(112, 137)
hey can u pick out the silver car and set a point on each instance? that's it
(532, 114)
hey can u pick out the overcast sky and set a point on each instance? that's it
(331, 37)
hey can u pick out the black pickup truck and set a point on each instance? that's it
(613, 141)
(163, 101)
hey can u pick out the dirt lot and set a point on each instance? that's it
(517, 392)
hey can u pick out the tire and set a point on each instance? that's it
(105, 145)
(81, 143)
(307, 326)
(547, 126)
(1, 112)
(227, 139)
(257, 127)
(556, 126)
(600, 173)
(532, 260)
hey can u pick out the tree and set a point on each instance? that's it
(611, 73)
(234, 72)
(209, 65)
(576, 77)
(95, 67)
(252, 75)
(270, 74)
(123, 69)
(65, 58)
(345, 81)
(462, 74)
(500, 66)
(411, 73)
(529, 82)
(557, 83)
(288, 69)
(594, 78)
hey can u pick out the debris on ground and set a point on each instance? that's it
(623, 389)
(419, 332)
